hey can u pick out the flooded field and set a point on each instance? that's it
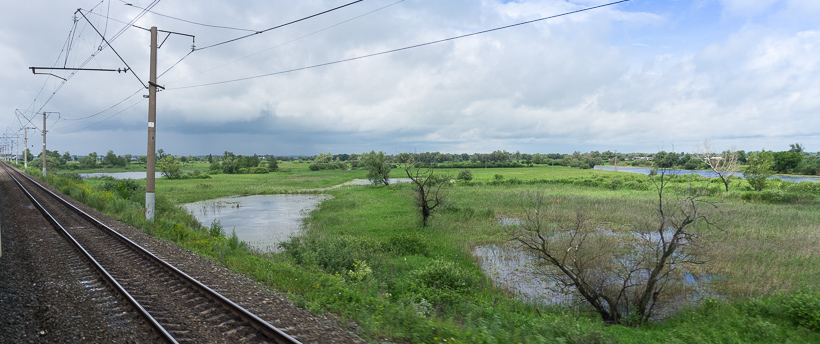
(119, 175)
(512, 269)
(262, 221)
(708, 174)
(516, 270)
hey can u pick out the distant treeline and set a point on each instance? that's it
(793, 161)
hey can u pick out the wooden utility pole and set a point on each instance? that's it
(44, 144)
(150, 194)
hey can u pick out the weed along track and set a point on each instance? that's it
(154, 301)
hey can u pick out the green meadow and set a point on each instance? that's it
(365, 258)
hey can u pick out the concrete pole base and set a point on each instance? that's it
(150, 202)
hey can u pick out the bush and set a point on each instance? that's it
(335, 255)
(406, 244)
(803, 309)
(73, 176)
(771, 195)
(196, 175)
(125, 188)
(216, 229)
(328, 166)
(441, 282)
(465, 175)
(443, 273)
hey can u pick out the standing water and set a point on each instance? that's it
(261, 221)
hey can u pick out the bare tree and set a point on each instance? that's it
(623, 272)
(428, 187)
(724, 164)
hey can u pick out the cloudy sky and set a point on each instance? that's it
(639, 76)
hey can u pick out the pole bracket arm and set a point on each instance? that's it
(155, 85)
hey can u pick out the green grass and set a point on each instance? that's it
(365, 256)
(292, 178)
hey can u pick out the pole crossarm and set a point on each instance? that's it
(118, 70)
(128, 68)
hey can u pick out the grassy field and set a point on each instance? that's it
(365, 256)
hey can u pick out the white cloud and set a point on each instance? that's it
(578, 82)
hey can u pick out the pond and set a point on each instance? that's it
(119, 175)
(367, 182)
(516, 270)
(708, 174)
(261, 221)
(512, 269)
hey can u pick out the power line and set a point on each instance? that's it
(192, 22)
(109, 108)
(279, 45)
(401, 49)
(279, 26)
(100, 49)
(112, 49)
(107, 118)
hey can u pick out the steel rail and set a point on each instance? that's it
(267, 329)
(110, 279)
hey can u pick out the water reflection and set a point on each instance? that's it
(119, 175)
(513, 269)
(708, 174)
(262, 221)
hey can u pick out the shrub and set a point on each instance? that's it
(360, 272)
(771, 196)
(465, 175)
(803, 309)
(331, 254)
(441, 282)
(196, 175)
(442, 273)
(328, 166)
(216, 229)
(406, 244)
(125, 188)
(73, 176)
(233, 241)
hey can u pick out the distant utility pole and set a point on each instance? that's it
(44, 144)
(25, 144)
(13, 143)
(150, 193)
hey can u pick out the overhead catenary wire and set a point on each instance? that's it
(109, 108)
(191, 22)
(115, 51)
(189, 53)
(107, 42)
(399, 49)
(107, 118)
(279, 26)
(281, 44)
(89, 59)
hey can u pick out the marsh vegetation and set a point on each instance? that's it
(366, 256)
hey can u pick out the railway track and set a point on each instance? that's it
(155, 301)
